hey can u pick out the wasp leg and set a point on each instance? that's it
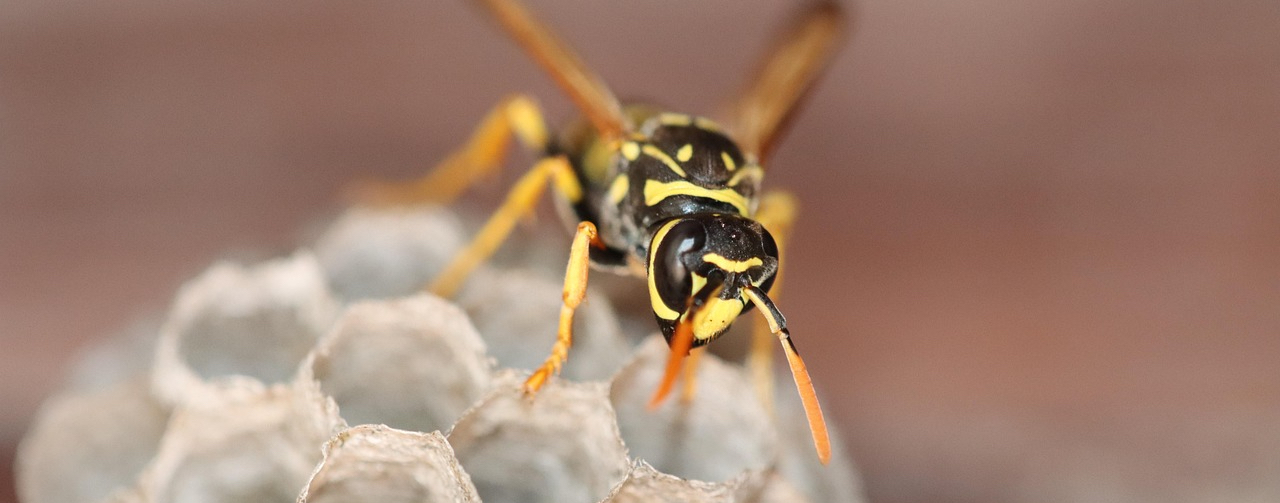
(520, 202)
(575, 288)
(480, 156)
(777, 213)
(690, 375)
(760, 363)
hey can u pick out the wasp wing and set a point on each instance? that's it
(786, 74)
(586, 89)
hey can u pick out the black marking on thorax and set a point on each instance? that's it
(674, 165)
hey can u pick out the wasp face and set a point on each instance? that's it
(699, 267)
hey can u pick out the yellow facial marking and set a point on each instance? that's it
(618, 189)
(750, 171)
(655, 301)
(653, 152)
(631, 150)
(655, 192)
(728, 161)
(715, 316)
(685, 153)
(698, 281)
(732, 265)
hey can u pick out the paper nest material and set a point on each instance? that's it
(326, 377)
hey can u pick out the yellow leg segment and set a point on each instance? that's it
(480, 156)
(777, 214)
(520, 201)
(575, 289)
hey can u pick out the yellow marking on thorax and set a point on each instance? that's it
(707, 124)
(674, 119)
(730, 265)
(655, 301)
(630, 150)
(597, 159)
(655, 192)
(728, 161)
(685, 153)
(655, 153)
(618, 189)
(698, 281)
(752, 171)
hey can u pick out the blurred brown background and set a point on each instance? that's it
(1039, 257)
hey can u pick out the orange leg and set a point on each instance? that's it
(480, 156)
(575, 289)
(520, 201)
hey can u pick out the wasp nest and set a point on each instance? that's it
(325, 377)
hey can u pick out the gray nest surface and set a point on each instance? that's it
(325, 377)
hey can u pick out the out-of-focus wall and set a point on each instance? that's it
(1038, 259)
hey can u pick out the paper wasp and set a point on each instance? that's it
(669, 197)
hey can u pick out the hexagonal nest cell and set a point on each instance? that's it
(324, 376)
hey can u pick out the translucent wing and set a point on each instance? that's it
(586, 90)
(788, 71)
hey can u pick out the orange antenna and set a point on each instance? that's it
(804, 385)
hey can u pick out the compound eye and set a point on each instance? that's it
(671, 274)
(770, 246)
(770, 250)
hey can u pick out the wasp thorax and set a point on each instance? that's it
(703, 154)
(699, 266)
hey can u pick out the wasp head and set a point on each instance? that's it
(700, 267)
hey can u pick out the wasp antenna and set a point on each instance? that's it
(804, 385)
(785, 75)
(587, 90)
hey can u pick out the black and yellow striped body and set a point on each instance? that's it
(664, 196)
(674, 165)
(671, 169)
